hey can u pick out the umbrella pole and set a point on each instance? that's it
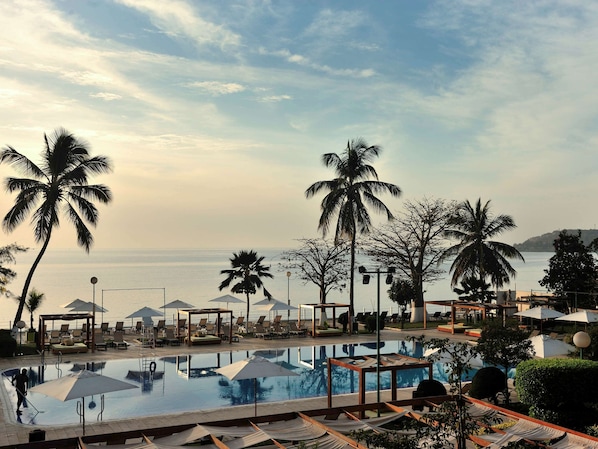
(255, 395)
(83, 413)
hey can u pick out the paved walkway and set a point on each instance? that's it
(11, 432)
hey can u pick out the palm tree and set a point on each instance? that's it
(34, 300)
(58, 185)
(354, 188)
(476, 255)
(248, 269)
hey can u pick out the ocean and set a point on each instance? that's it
(131, 279)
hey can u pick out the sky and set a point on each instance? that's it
(216, 114)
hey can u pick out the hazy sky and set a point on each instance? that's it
(216, 113)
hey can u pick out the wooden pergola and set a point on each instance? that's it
(73, 316)
(483, 308)
(219, 314)
(369, 364)
(324, 307)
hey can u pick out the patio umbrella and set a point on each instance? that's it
(447, 356)
(228, 299)
(252, 368)
(582, 316)
(544, 346)
(74, 303)
(176, 304)
(540, 313)
(269, 304)
(144, 313)
(78, 385)
(88, 306)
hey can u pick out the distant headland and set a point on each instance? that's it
(544, 242)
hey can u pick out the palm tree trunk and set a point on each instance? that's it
(247, 316)
(352, 276)
(29, 279)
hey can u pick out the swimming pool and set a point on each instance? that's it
(189, 382)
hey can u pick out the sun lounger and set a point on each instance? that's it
(119, 341)
(170, 339)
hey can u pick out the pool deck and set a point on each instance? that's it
(12, 432)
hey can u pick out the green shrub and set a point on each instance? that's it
(487, 382)
(370, 323)
(8, 345)
(558, 390)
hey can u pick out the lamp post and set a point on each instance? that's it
(289, 295)
(582, 340)
(21, 324)
(366, 279)
(94, 281)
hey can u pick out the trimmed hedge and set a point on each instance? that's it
(561, 391)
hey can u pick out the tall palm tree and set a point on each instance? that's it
(247, 268)
(58, 185)
(476, 255)
(350, 193)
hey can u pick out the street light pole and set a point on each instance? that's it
(94, 281)
(366, 279)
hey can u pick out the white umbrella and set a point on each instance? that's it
(228, 299)
(447, 355)
(78, 385)
(144, 312)
(74, 303)
(544, 346)
(88, 306)
(540, 313)
(582, 316)
(252, 368)
(177, 304)
(269, 304)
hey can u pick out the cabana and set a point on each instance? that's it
(88, 336)
(321, 330)
(369, 364)
(206, 339)
(484, 309)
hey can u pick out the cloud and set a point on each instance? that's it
(182, 21)
(216, 87)
(305, 62)
(107, 96)
(335, 24)
(275, 98)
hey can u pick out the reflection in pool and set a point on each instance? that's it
(182, 383)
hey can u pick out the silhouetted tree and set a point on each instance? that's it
(571, 271)
(248, 270)
(58, 185)
(353, 189)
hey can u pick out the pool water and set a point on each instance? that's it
(189, 382)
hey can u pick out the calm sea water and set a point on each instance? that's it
(131, 279)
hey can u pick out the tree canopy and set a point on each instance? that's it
(350, 193)
(476, 255)
(571, 271)
(58, 186)
(320, 262)
(248, 271)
